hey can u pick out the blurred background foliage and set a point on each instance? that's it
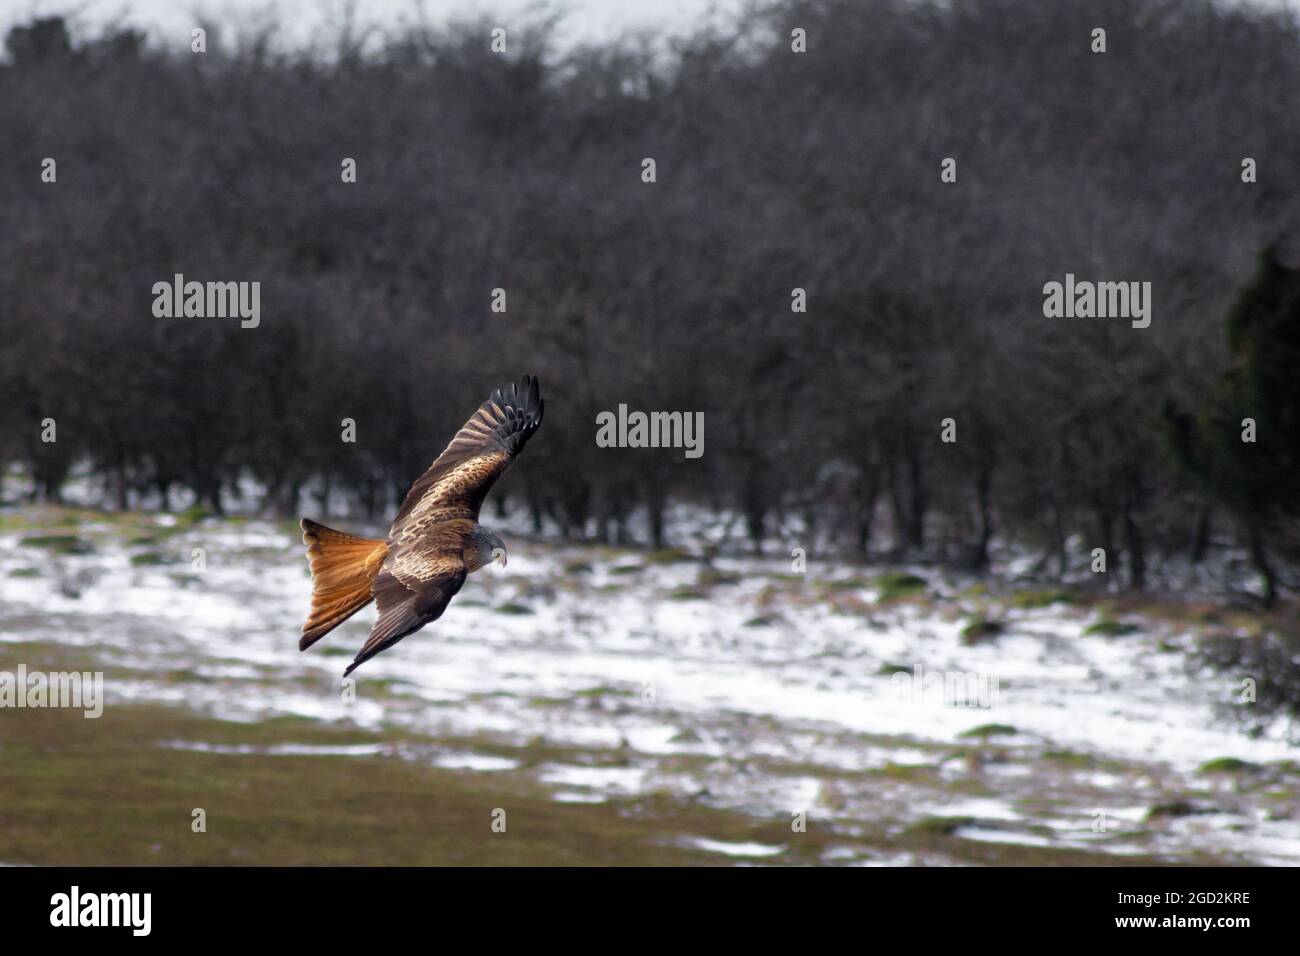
(775, 170)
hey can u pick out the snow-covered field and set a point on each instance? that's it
(738, 683)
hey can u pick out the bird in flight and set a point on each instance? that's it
(435, 540)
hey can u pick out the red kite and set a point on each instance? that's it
(435, 540)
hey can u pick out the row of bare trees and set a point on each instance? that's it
(775, 170)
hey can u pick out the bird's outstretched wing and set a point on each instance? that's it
(405, 608)
(455, 485)
(425, 566)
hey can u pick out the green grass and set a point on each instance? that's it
(511, 607)
(711, 576)
(981, 629)
(939, 826)
(1070, 758)
(668, 556)
(1032, 599)
(1172, 808)
(897, 584)
(151, 559)
(1109, 628)
(98, 792)
(985, 731)
(59, 543)
(196, 514)
(844, 584)
(1228, 765)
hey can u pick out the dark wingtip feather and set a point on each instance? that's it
(534, 405)
(523, 406)
(525, 395)
(360, 659)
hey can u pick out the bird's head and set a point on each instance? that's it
(489, 548)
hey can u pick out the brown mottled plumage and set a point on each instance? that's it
(435, 540)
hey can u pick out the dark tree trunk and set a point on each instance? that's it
(1259, 558)
(1137, 563)
(210, 494)
(1201, 539)
(535, 509)
(919, 505)
(575, 509)
(121, 485)
(983, 487)
(908, 504)
(1106, 527)
(655, 506)
(755, 506)
(370, 497)
(754, 525)
(292, 498)
(1058, 539)
(897, 510)
(868, 491)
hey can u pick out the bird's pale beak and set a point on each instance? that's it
(499, 556)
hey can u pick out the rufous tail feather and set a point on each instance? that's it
(343, 567)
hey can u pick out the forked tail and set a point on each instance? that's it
(343, 567)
